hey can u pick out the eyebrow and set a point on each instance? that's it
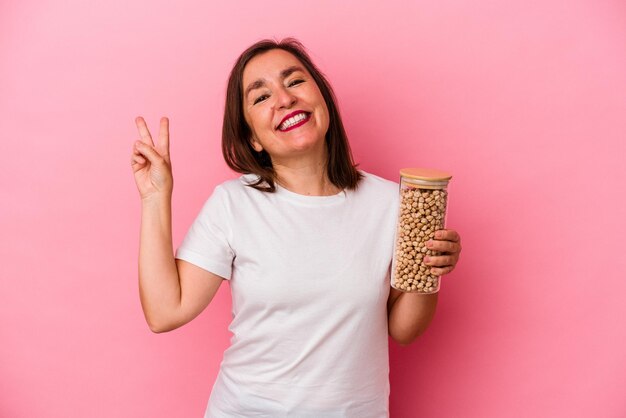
(257, 84)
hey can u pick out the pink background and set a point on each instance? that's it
(524, 102)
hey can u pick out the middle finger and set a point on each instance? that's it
(440, 260)
(443, 246)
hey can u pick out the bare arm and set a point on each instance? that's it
(409, 314)
(172, 292)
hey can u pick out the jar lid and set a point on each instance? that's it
(427, 174)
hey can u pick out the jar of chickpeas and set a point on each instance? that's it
(423, 204)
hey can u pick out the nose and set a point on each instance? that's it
(284, 98)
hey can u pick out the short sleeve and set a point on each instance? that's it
(206, 244)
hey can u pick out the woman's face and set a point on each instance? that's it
(283, 106)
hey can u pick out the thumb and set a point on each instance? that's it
(149, 152)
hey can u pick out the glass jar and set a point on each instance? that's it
(423, 204)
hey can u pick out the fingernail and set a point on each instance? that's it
(429, 244)
(438, 234)
(426, 259)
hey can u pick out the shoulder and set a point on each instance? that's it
(235, 186)
(376, 193)
(378, 198)
(237, 192)
(372, 183)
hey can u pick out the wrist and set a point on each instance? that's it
(157, 201)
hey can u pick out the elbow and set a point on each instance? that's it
(406, 338)
(159, 320)
(403, 341)
(159, 327)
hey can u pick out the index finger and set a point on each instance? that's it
(143, 131)
(448, 235)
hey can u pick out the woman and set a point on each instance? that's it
(305, 241)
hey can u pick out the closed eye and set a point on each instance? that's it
(265, 96)
(260, 98)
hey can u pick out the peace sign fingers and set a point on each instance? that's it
(151, 164)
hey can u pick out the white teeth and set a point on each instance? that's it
(292, 121)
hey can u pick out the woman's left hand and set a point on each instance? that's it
(448, 243)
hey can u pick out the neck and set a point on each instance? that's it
(305, 176)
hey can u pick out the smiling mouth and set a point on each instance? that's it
(294, 121)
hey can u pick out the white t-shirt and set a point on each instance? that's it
(309, 277)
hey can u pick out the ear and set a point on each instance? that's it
(256, 145)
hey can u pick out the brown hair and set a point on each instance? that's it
(236, 147)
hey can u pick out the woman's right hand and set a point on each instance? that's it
(151, 163)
